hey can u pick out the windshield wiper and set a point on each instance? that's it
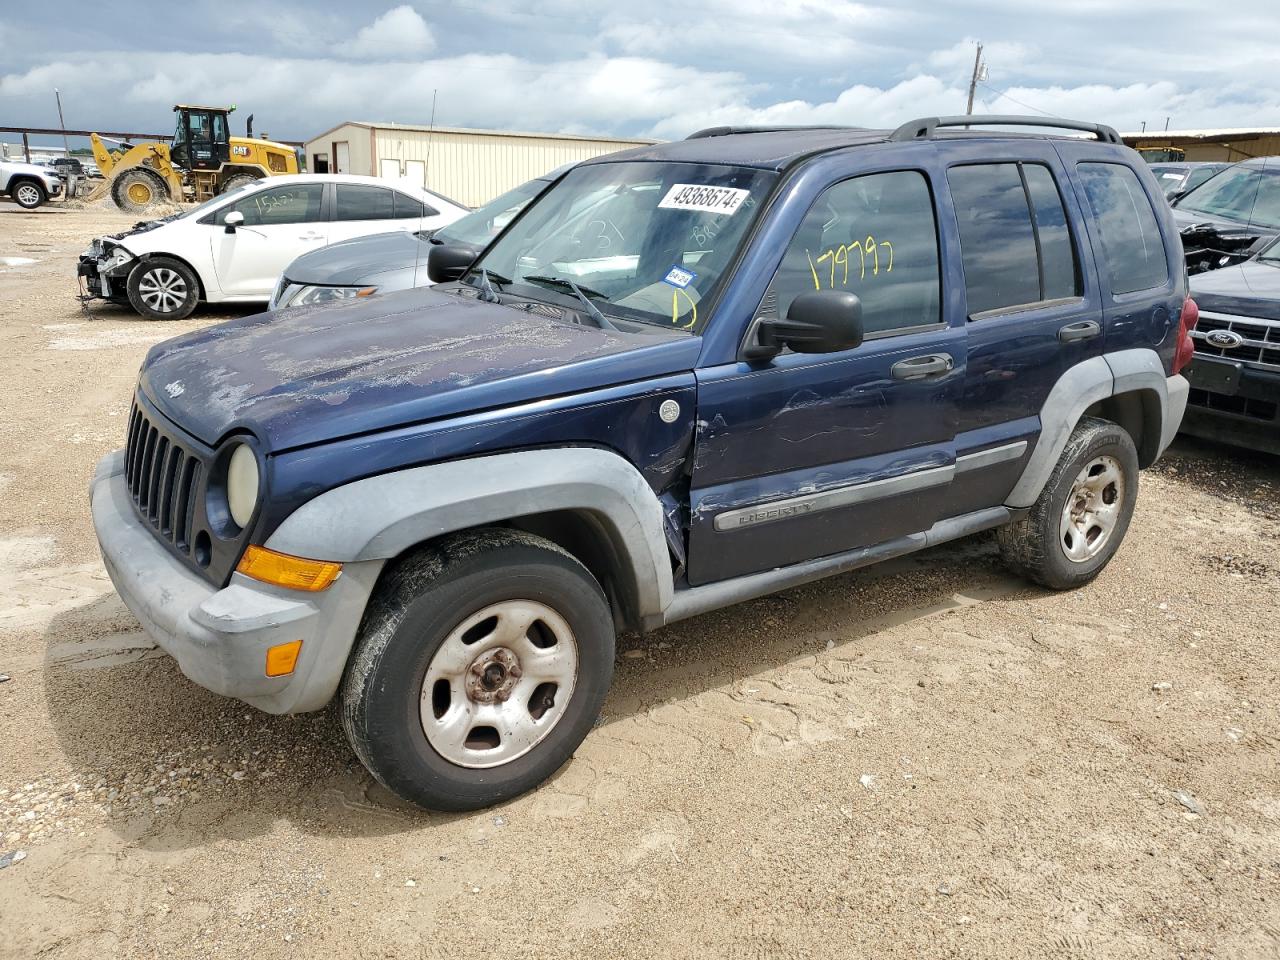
(487, 293)
(583, 294)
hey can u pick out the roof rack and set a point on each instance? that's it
(923, 129)
(729, 131)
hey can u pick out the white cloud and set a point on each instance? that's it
(398, 34)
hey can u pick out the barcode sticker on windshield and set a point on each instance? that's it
(691, 196)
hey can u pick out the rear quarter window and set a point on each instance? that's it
(1132, 246)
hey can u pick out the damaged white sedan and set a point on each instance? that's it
(232, 249)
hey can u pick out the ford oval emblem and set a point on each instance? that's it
(1223, 339)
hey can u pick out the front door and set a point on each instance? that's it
(280, 224)
(807, 455)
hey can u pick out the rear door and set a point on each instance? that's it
(280, 224)
(363, 209)
(808, 455)
(1032, 303)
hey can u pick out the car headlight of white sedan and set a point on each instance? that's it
(298, 295)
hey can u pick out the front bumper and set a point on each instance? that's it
(1234, 403)
(220, 637)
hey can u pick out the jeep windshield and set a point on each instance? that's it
(652, 243)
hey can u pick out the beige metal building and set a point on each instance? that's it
(470, 166)
(1227, 144)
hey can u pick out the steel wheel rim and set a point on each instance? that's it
(162, 289)
(499, 684)
(1092, 510)
(27, 194)
(138, 192)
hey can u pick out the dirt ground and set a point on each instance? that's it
(928, 759)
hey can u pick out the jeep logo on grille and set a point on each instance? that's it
(1223, 339)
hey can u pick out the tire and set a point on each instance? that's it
(441, 613)
(137, 190)
(27, 194)
(237, 180)
(163, 289)
(1062, 545)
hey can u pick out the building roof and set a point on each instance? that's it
(475, 131)
(1225, 133)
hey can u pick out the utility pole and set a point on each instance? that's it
(973, 82)
(66, 147)
(1144, 126)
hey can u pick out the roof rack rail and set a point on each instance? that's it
(729, 131)
(923, 129)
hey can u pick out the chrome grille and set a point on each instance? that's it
(1260, 345)
(163, 478)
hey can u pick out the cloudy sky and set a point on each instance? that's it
(660, 69)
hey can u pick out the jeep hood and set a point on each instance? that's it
(313, 374)
(356, 261)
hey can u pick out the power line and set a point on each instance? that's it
(1007, 96)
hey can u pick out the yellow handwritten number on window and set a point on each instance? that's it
(839, 259)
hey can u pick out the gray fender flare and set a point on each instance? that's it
(1081, 387)
(380, 517)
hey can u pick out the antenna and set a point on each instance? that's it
(431, 128)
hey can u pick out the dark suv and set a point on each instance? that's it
(750, 360)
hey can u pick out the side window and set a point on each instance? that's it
(297, 203)
(405, 207)
(1057, 253)
(363, 203)
(1015, 242)
(876, 236)
(1131, 240)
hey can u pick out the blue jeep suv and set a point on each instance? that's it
(753, 359)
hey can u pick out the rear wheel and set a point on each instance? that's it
(163, 289)
(137, 190)
(1076, 526)
(237, 180)
(481, 665)
(28, 194)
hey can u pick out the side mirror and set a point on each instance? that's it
(447, 262)
(824, 321)
(232, 220)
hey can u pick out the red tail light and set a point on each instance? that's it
(1186, 346)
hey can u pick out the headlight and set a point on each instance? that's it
(307, 295)
(242, 484)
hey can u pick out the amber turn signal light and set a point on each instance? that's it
(282, 658)
(296, 573)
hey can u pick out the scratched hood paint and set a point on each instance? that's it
(313, 374)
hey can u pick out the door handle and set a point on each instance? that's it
(1084, 330)
(920, 368)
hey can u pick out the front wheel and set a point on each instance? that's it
(28, 195)
(481, 665)
(163, 289)
(1076, 525)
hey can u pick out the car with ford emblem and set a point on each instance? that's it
(1235, 377)
(770, 356)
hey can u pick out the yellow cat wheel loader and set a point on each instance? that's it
(203, 160)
